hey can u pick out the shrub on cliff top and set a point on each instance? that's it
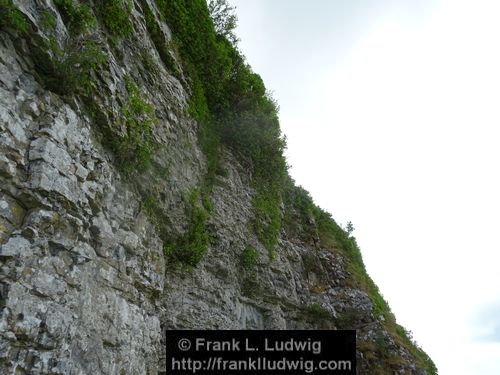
(224, 18)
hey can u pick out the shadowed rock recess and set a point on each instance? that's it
(143, 187)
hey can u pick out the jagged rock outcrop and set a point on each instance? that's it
(85, 286)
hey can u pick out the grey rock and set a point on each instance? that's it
(46, 150)
(15, 246)
(7, 167)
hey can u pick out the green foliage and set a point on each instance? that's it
(311, 263)
(249, 257)
(267, 223)
(224, 18)
(221, 171)
(298, 214)
(231, 104)
(349, 228)
(69, 69)
(159, 40)
(253, 132)
(116, 15)
(330, 230)
(135, 148)
(11, 17)
(250, 287)
(407, 339)
(210, 144)
(48, 20)
(190, 248)
(380, 343)
(133, 143)
(157, 217)
(297, 200)
(77, 17)
(224, 89)
(195, 243)
(334, 237)
(201, 53)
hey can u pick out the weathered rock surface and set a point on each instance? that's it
(83, 280)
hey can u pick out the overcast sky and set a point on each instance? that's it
(392, 114)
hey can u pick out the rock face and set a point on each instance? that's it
(85, 288)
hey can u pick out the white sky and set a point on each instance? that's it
(392, 114)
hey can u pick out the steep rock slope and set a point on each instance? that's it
(102, 179)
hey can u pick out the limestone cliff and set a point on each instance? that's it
(87, 278)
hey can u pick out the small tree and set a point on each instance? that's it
(349, 228)
(224, 19)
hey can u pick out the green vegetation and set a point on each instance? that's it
(159, 40)
(224, 19)
(232, 105)
(381, 360)
(134, 149)
(233, 109)
(48, 20)
(268, 218)
(77, 17)
(381, 343)
(299, 206)
(11, 17)
(250, 287)
(148, 61)
(311, 263)
(116, 15)
(69, 69)
(221, 171)
(406, 339)
(249, 257)
(77, 65)
(298, 215)
(129, 135)
(157, 216)
(190, 248)
(195, 243)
